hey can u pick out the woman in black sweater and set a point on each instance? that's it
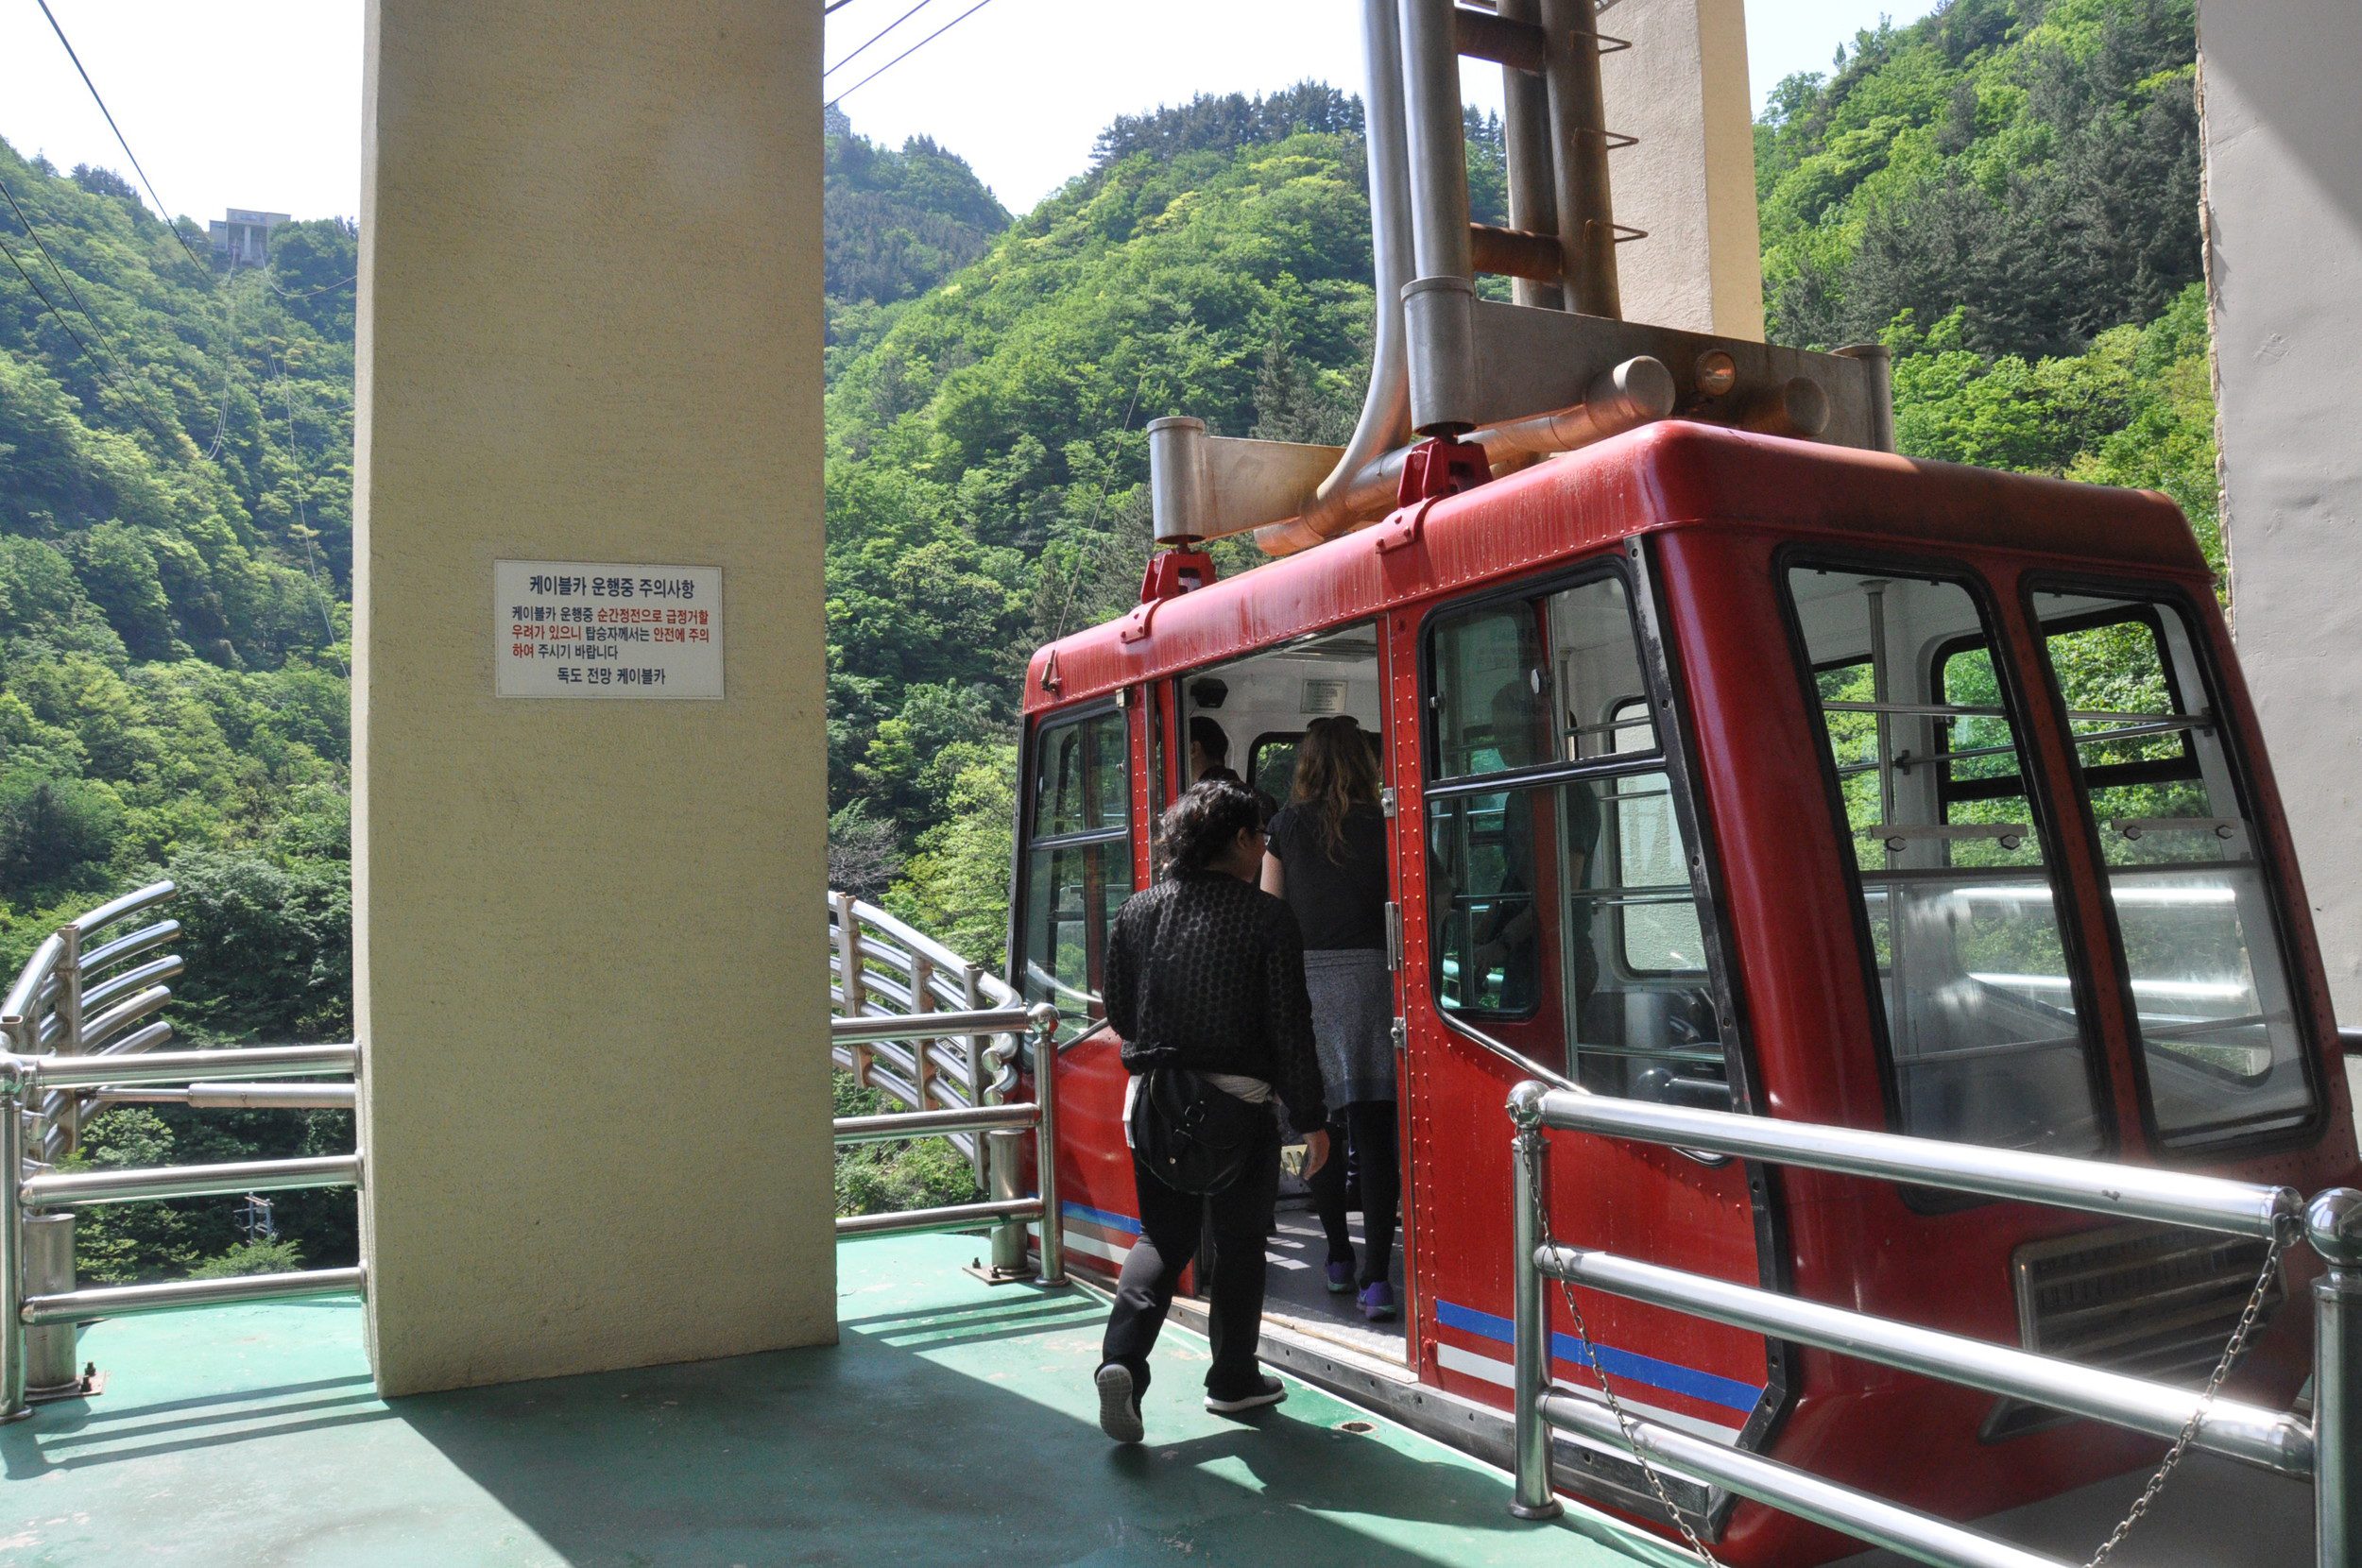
(1205, 972)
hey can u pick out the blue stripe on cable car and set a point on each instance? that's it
(1729, 1393)
(1101, 1216)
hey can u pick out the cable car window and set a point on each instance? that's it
(1272, 763)
(1565, 919)
(1985, 1037)
(1502, 704)
(1080, 784)
(1657, 930)
(1078, 864)
(2211, 997)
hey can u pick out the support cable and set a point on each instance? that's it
(101, 370)
(162, 211)
(63, 281)
(874, 37)
(906, 54)
(303, 523)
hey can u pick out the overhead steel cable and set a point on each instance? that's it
(305, 294)
(906, 54)
(162, 211)
(63, 281)
(104, 372)
(873, 38)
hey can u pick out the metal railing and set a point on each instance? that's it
(878, 967)
(997, 1128)
(78, 1033)
(2324, 1447)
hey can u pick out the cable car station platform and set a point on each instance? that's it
(952, 1423)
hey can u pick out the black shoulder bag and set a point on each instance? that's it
(1197, 1139)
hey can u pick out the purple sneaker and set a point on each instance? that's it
(1377, 1302)
(1340, 1278)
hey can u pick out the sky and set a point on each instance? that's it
(257, 103)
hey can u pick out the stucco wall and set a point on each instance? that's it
(595, 1097)
(2282, 129)
(1690, 179)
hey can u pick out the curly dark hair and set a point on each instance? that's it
(1204, 821)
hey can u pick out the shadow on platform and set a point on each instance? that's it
(952, 1424)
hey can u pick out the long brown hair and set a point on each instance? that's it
(1336, 771)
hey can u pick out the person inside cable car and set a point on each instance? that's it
(1505, 933)
(1326, 854)
(1209, 758)
(1204, 985)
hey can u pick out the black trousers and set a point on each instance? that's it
(1367, 1128)
(1237, 1220)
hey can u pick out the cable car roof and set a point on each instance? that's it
(1668, 475)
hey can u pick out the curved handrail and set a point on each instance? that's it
(964, 1068)
(73, 998)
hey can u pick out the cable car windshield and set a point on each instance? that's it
(2211, 998)
(1985, 1040)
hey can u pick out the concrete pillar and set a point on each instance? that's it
(1690, 179)
(590, 971)
(2282, 136)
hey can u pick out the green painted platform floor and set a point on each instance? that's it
(953, 1423)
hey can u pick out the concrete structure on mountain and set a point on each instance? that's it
(591, 975)
(243, 236)
(2282, 136)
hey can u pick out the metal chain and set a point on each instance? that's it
(2206, 1401)
(1599, 1373)
(2231, 1354)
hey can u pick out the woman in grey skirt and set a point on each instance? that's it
(1326, 854)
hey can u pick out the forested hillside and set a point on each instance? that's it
(2007, 194)
(175, 549)
(895, 224)
(175, 552)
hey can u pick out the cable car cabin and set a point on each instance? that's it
(1739, 772)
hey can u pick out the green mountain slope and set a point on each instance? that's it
(175, 540)
(2005, 192)
(2031, 164)
(895, 224)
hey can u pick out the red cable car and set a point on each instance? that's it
(1734, 770)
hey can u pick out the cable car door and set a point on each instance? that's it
(1552, 894)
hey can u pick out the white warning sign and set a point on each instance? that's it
(606, 629)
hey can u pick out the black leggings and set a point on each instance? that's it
(1174, 1228)
(1367, 1126)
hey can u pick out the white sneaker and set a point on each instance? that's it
(1269, 1390)
(1119, 1407)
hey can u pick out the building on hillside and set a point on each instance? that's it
(244, 236)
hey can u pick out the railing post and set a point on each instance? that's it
(1046, 1142)
(2333, 1224)
(922, 1050)
(1530, 1354)
(70, 1034)
(49, 1260)
(971, 998)
(1002, 1152)
(849, 975)
(12, 1404)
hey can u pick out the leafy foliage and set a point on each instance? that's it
(175, 540)
(895, 224)
(2029, 163)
